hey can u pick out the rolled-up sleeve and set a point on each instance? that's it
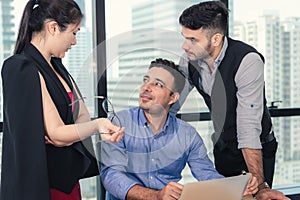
(250, 94)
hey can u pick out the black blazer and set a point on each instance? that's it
(29, 166)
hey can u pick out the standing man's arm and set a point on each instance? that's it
(250, 83)
(253, 158)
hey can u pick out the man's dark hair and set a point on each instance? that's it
(210, 15)
(170, 66)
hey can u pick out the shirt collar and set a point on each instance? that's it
(222, 53)
(144, 122)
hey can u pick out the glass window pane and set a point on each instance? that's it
(272, 27)
(148, 30)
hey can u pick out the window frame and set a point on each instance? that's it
(189, 117)
(100, 38)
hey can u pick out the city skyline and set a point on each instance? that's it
(115, 6)
(115, 29)
(263, 32)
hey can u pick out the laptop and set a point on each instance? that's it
(230, 188)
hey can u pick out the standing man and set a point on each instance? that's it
(229, 75)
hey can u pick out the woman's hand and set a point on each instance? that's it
(108, 131)
(77, 132)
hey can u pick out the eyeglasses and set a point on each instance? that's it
(107, 107)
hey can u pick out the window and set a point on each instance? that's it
(138, 31)
(276, 23)
(143, 35)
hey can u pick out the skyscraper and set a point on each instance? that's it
(6, 43)
(156, 33)
(8, 34)
(1, 36)
(278, 40)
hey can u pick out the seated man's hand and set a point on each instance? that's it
(269, 194)
(171, 191)
(252, 186)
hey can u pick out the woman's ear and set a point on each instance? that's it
(52, 27)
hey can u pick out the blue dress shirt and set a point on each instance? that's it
(150, 160)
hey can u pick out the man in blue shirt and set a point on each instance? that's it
(148, 161)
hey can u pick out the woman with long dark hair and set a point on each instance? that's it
(46, 142)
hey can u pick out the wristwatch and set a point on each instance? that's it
(262, 186)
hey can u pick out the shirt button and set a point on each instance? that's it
(153, 160)
(151, 177)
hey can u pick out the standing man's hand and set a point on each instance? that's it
(252, 186)
(269, 194)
